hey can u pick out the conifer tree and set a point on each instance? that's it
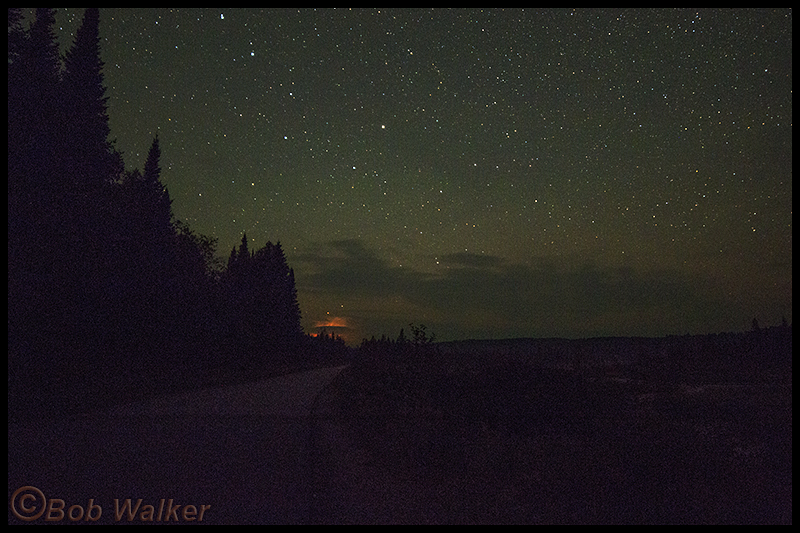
(232, 260)
(262, 299)
(33, 135)
(32, 106)
(150, 226)
(152, 167)
(155, 196)
(276, 287)
(90, 155)
(244, 254)
(42, 62)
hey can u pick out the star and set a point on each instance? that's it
(570, 149)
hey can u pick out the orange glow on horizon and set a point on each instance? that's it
(335, 322)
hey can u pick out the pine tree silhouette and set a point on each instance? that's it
(152, 167)
(244, 255)
(144, 224)
(33, 126)
(278, 285)
(87, 167)
(155, 196)
(232, 259)
(84, 102)
(38, 273)
(261, 297)
(41, 66)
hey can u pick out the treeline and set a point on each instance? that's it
(734, 356)
(260, 301)
(420, 342)
(108, 292)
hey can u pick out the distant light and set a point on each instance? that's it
(221, 16)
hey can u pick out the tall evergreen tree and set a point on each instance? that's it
(43, 51)
(33, 196)
(276, 285)
(55, 303)
(87, 162)
(42, 63)
(148, 306)
(232, 260)
(156, 198)
(238, 263)
(244, 254)
(90, 155)
(152, 167)
(146, 224)
(33, 128)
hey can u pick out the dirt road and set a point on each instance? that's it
(232, 455)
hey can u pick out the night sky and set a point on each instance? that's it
(491, 174)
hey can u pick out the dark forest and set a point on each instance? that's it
(110, 296)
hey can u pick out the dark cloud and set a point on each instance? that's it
(466, 259)
(473, 294)
(347, 267)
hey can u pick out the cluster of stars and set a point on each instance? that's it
(606, 134)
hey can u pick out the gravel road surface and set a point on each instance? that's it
(231, 455)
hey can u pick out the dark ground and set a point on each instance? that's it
(433, 436)
(492, 439)
(246, 451)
